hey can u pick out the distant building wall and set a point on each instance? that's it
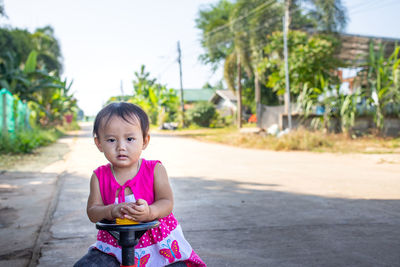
(271, 115)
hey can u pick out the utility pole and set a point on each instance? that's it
(239, 93)
(180, 77)
(258, 95)
(286, 22)
(121, 87)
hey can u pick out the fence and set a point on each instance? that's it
(14, 114)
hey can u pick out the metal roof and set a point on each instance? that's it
(193, 95)
(355, 48)
(225, 94)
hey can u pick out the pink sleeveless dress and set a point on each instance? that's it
(159, 246)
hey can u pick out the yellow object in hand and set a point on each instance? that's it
(125, 221)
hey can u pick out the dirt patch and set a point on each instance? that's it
(35, 161)
(23, 253)
(8, 216)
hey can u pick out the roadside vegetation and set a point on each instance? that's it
(36, 102)
(297, 140)
(27, 141)
(253, 62)
(245, 38)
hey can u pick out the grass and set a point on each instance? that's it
(36, 160)
(296, 140)
(27, 141)
(33, 146)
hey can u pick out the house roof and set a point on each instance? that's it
(355, 48)
(193, 95)
(225, 94)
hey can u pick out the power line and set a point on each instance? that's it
(374, 6)
(365, 6)
(266, 23)
(167, 62)
(264, 5)
(357, 9)
(361, 3)
(166, 68)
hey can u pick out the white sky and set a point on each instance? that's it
(104, 42)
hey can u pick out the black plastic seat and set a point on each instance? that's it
(128, 236)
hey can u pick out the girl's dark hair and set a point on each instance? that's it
(123, 110)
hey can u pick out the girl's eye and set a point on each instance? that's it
(130, 139)
(110, 140)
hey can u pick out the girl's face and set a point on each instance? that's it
(121, 142)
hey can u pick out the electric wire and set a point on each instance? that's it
(229, 23)
(372, 6)
(354, 9)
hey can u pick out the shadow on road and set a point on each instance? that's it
(25, 198)
(234, 223)
(228, 223)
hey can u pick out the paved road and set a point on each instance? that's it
(243, 207)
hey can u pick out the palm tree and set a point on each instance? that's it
(236, 33)
(327, 15)
(48, 48)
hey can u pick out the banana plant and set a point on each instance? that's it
(29, 83)
(348, 111)
(153, 97)
(383, 82)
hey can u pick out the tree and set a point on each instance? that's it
(34, 76)
(15, 43)
(157, 100)
(382, 81)
(2, 10)
(48, 48)
(216, 35)
(326, 15)
(310, 58)
(236, 32)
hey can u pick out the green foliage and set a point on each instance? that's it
(27, 141)
(48, 48)
(160, 103)
(227, 23)
(327, 15)
(16, 42)
(30, 64)
(49, 95)
(312, 79)
(310, 59)
(219, 121)
(240, 28)
(216, 36)
(30, 68)
(2, 11)
(383, 81)
(202, 114)
(378, 95)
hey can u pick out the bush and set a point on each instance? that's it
(27, 141)
(202, 114)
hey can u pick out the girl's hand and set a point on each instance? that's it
(139, 211)
(117, 210)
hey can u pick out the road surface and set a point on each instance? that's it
(237, 207)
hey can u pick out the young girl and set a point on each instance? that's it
(133, 188)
